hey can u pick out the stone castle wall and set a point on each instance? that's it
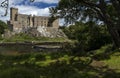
(39, 26)
(20, 21)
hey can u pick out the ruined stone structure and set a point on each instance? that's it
(20, 21)
(35, 25)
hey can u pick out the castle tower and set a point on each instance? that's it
(55, 23)
(31, 21)
(13, 14)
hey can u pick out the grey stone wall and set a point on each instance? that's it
(21, 20)
(34, 25)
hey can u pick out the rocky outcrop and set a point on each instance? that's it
(42, 31)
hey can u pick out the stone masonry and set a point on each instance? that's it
(19, 21)
(40, 25)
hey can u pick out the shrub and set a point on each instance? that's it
(18, 72)
(90, 36)
(3, 26)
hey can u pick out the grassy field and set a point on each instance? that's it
(24, 37)
(58, 65)
(114, 62)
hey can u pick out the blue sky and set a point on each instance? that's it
(38, 7)
(37, 4)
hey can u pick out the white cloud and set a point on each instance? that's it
(33, 10)
(13, 2)
(61, 22)
(2, 17)
(25, 9)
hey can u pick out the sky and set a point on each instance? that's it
(38, 7)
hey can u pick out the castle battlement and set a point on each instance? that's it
(19, 21)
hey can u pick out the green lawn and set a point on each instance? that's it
(114, 61)
(24, 37)
(57, 65)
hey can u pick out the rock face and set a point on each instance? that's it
(42, 31)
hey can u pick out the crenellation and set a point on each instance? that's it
(13, 12)
(19, 21)
(39, 26)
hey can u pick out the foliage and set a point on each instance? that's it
(106, 11)
(114, 61)
(102, 53)
(22, 37)
(55, 65)
(3, 26)
(90, 36)
(92, 10)
(18, 72)
(1, 38)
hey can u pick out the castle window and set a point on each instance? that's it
(15, 18)
(45, 24)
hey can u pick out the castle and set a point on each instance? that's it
(33, 25)
(18, 22)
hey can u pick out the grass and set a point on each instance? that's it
(57, 65)
(24, 37)
(34, 39)
(30, 66)
(114, 61)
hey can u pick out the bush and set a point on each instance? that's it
(103, 53)
(18, 72)
(3, 26)
(90, 36)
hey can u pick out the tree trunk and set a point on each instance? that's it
(115, 34)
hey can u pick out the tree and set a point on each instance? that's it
(107, 11)
(3, 26)
(89, 36)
